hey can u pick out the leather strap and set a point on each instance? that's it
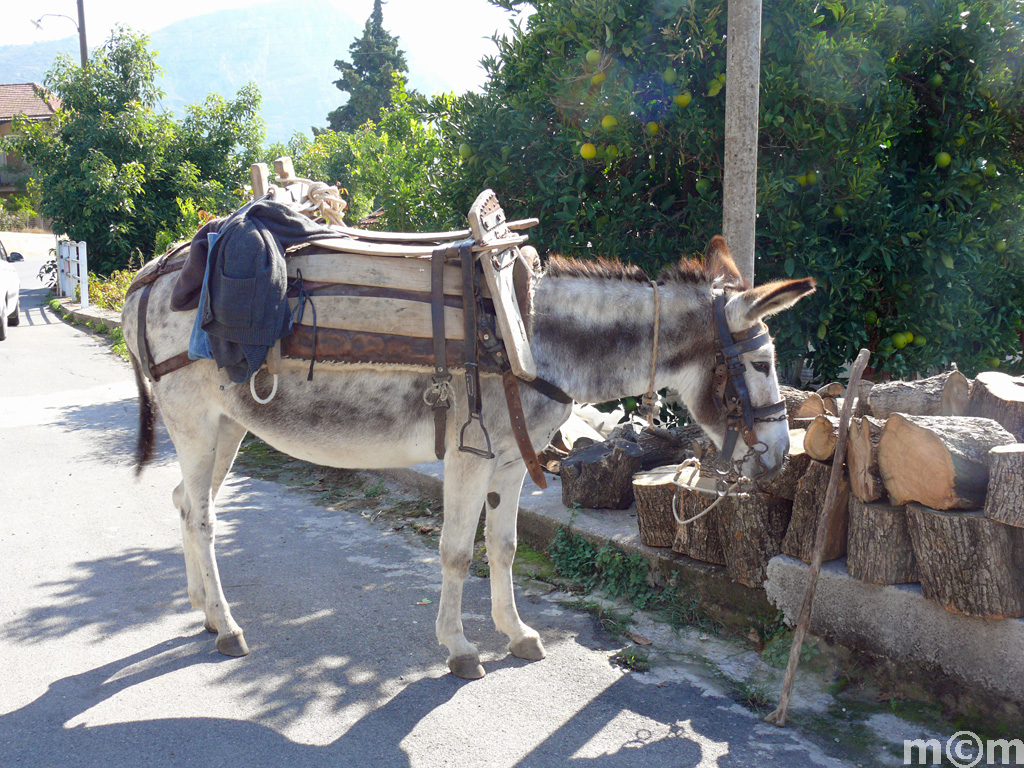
(522, 435)
(549, 390)
(163, 267)
(469, 317)
(145, 358)
(171, 364)
(442, 378)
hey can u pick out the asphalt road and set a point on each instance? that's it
(103, 662)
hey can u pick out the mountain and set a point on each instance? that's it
(288, 49)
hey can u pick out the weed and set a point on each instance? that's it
(377, 490)
(632, 658)
(755, 695)
(682, 611)
(120, 348)
(574, 558)
(776, 652)
(612, 621)
(622, 575)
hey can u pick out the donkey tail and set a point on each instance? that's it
(147, 419)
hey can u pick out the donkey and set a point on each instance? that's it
(592, 334)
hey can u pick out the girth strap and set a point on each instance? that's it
(519, 430)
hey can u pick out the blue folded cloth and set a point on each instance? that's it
(199, 341)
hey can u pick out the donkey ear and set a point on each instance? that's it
(719, 263)
(745, 309)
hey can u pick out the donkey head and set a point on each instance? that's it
(734, 390)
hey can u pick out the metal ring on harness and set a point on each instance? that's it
(257, 398)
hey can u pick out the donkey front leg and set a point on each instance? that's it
(197, 450)
(466, 480)
(502, 510)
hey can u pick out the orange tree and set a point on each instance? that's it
(891, 165)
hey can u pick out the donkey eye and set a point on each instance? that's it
(762, 367)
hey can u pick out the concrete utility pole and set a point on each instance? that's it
(84, 49)
(742, 89)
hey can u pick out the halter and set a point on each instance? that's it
(731, 394)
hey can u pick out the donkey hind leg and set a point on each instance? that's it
(502, 509)
(198, 451)
(228, 439)
(465, 485)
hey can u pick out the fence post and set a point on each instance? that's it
(62, 283)
(83, 272)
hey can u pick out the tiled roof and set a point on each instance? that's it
(21, 99)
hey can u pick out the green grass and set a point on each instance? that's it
(632, 658)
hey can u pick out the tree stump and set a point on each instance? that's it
(807, 511)
(653, 491)
(942, 395)
(699, 539)
(743, 532)
(998, 396)
(820, 440)
(941, 462)
(785, 483)
(601, 475)
(862, 459)
(968, 564)
(879, 550)
(1004, 500)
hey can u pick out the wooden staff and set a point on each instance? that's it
(778, 717)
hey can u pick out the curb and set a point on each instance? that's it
(91, 314)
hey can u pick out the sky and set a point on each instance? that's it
(421, 25)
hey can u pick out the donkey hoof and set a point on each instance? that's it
(529, 648)
(233, 645)
(467, 667)
(209, 627)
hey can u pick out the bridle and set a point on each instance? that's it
(731, 394)
(733, 400)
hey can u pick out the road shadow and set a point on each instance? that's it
(40, 732)
(676, 724)
(34, 309)
(113, 428)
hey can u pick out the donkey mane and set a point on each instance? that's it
(686, 271)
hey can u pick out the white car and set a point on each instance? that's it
(9, 288)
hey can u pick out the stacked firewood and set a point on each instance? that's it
(933, 493)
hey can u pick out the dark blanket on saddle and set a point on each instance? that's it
(245, 306)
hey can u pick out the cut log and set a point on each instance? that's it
(812, 406)
(968, 564)
(861, 407)
(785, 483)
(601, 475)
(833, 389)
(942, 395)
(938, 461)
(653, 491)
(879, 550)
(1004, 500)
(745, 528)
(998, 396)
(862, 459)
(699, 539)
(820, 440)
(795, 404)
(808, 507)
